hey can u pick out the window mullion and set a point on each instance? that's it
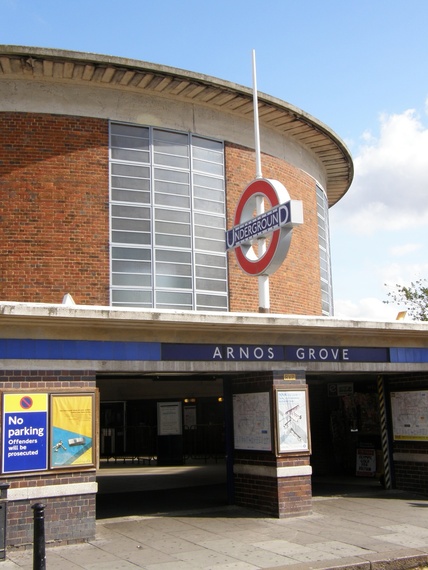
(152, 216)
(192, 228)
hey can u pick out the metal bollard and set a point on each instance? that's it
(39, 551)
(3, 519)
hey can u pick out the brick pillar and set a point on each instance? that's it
(271, 481)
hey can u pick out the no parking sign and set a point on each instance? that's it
(25, 427)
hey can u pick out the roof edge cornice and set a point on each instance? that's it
(125, 73)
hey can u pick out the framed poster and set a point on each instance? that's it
(252, 421)
(292, 420)
(169, 418)
(410, 415)
(189, 415)
(72, 430)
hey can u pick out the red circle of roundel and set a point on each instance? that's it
(257, 267)
(26, 402)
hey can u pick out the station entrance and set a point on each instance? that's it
(148, 471)
(162, 444)
(345, 432)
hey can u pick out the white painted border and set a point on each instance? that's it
(415, 457)
(23, 493)
(274, 472)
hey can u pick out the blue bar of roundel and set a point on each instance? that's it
(409, 354)
(78, 350)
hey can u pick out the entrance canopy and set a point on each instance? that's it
(105, 339)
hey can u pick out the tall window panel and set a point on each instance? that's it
(167, 220)
(324, 249)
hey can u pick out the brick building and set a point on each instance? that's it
(118, 300)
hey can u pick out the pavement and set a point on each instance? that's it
(354, 526)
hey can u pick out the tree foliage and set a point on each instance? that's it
(414, 298)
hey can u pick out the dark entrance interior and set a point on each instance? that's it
(346, 433)
(162, 445)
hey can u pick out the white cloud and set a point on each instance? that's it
(390, 186)
(367, 309)
(404, 274)
(405, 249)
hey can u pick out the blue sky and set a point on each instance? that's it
(358, 66)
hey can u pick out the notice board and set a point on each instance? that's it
(252, 421)
(410, 415)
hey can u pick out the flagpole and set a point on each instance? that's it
(256, 121)
(263, 280)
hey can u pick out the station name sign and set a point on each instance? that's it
(254, 353)
(258, 226)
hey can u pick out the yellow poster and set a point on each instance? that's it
(72, 430)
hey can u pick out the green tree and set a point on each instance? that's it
(414, 298)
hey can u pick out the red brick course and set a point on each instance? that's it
(54, 208)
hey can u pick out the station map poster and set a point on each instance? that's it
(292, 420)
(25, 432)
(410, 415)
(72, 430)
(252, 421)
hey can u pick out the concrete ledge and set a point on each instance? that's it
(23, 493)
(274, 472)
(413, 457)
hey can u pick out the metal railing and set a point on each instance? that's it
(139, 443)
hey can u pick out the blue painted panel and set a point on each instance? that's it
(409, 355)
(41, 349)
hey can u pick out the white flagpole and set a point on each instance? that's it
(256, 121)
(264, 300)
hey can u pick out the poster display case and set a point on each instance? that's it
(292, 420)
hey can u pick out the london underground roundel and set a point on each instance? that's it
(275, 225)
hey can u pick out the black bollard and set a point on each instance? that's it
(39, 554)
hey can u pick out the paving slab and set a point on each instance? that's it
(377, 531)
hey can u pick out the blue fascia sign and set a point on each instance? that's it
(254, 353)
(63, 349)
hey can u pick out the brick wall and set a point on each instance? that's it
(294, 496)
(295, 286)
(67, 518)
(54, 206)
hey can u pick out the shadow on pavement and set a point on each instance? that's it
(163, 501)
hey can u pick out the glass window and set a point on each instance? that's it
(167, 219)
(324, 251)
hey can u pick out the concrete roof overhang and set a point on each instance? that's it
(106, 72)
(57, 321)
